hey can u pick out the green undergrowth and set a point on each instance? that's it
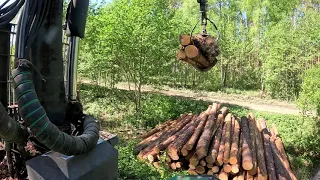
(116, 111)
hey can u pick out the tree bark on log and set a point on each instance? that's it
(144, 143)
(267, 150)
(252, 128)
(205, 138)
(261, 163)
(235, 143)
(175, 148)
(203, 119)
(281, 171)
(219, 160)
(226, 153)
(246, 151)
(215, 144)
(283, 153)
(164, 144)
(165, 136)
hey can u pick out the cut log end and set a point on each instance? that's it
(192, 51)
(223, 175)
(215, 169)
(185, 39)
(247, 165)
(200, 170)
(227, 168)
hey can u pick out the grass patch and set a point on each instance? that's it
(115, 110)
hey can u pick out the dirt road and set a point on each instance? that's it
(249, 101)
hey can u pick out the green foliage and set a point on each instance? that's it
(310, 96)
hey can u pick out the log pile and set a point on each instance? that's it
(199, 50)
(217, 142)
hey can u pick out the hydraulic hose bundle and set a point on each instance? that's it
(9, 11)
(36, 120)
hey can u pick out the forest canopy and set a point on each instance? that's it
(267, 45)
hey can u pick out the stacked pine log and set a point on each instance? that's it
(200, 51)
(218, 143)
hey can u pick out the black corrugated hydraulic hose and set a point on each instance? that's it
(10, 130)
(37, 121)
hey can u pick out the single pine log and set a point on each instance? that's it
(267, 150)
(203, 163)
(181, 55)
(223, 175)
(235, 143)
(194, 160)
(194, 138)
(215, 169)
(252, 128)
(209, 166)
(282, 152)
(210, 172)
(200, 170)
(219, 160)
(281, 171)
(185, 39)
(261, 163)
(226, 153)
(192, 51)
(246, 151)
(235, 168)
(205, 139)
(227, 168)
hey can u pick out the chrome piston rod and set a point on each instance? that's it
(72, 67)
